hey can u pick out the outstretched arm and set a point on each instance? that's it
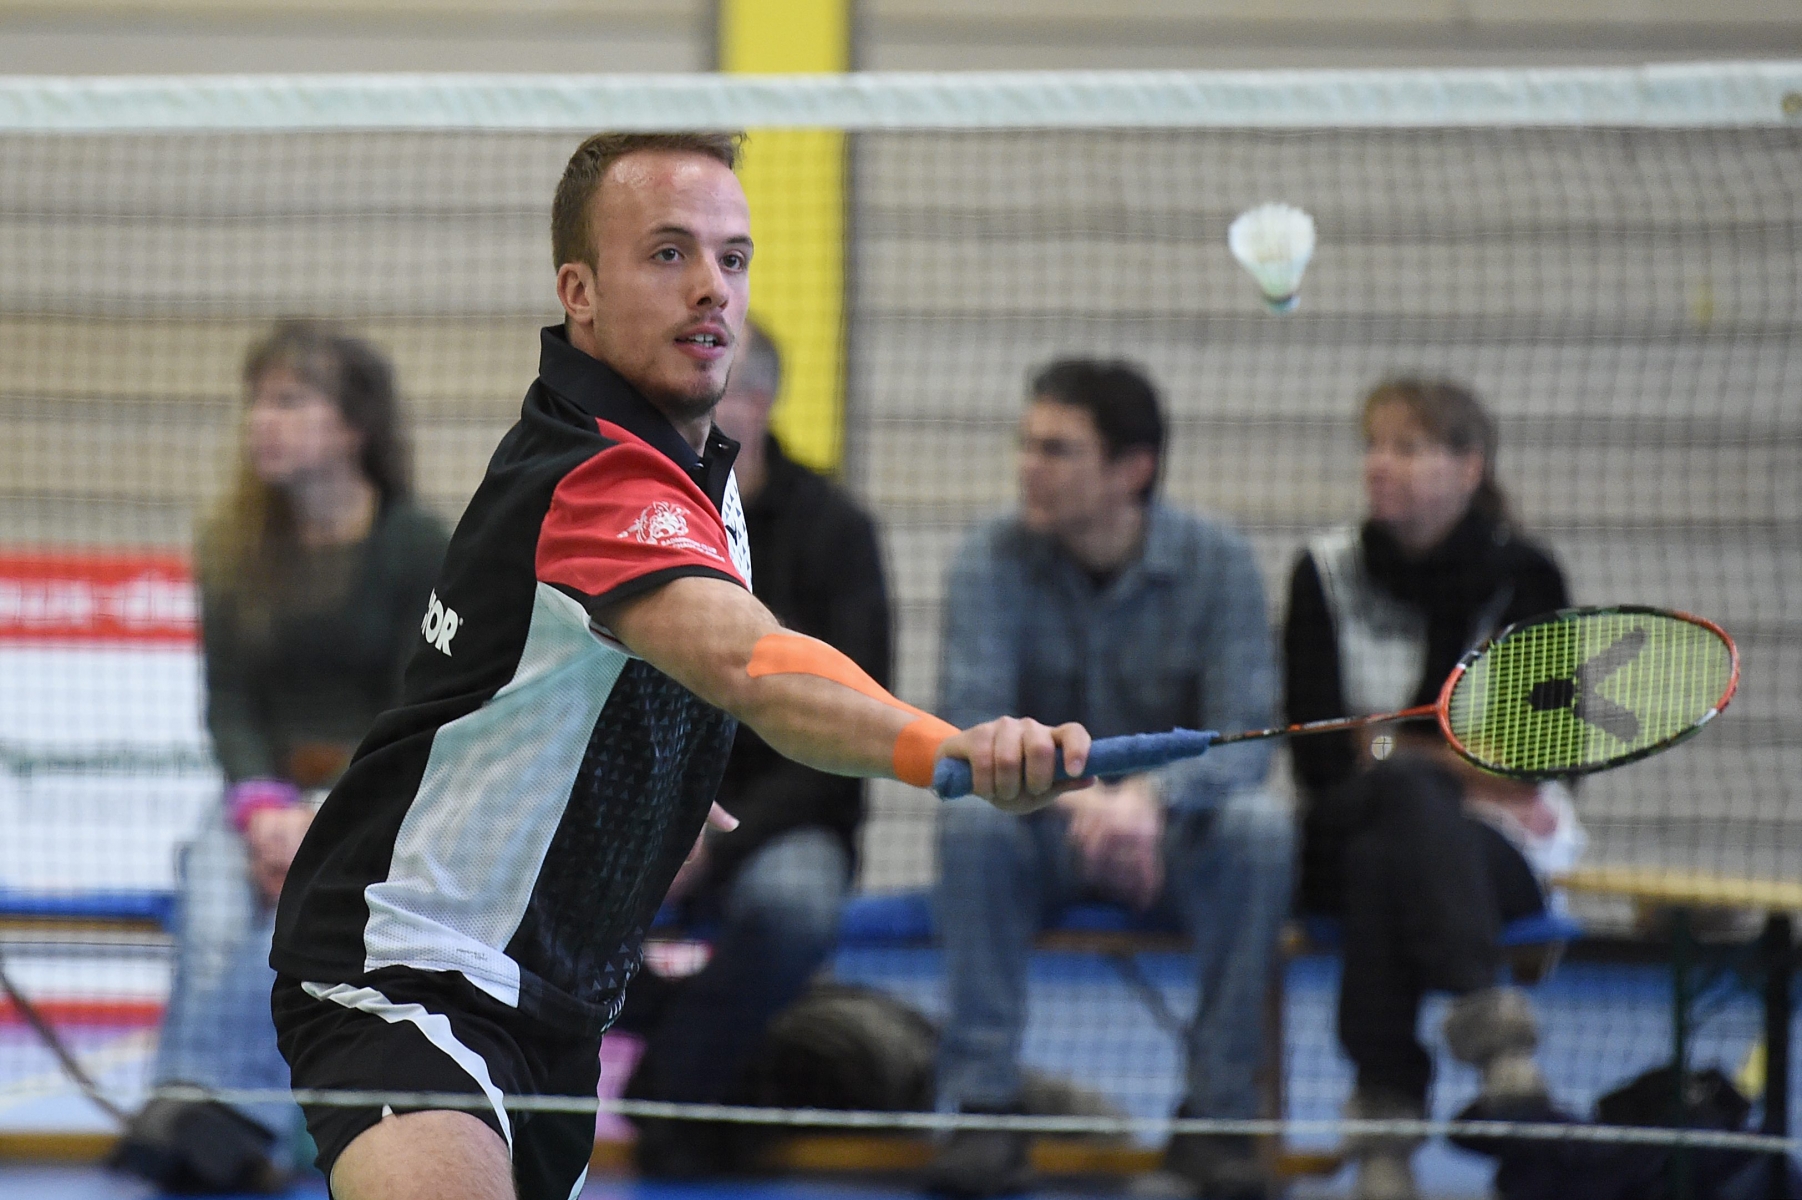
(814, 705)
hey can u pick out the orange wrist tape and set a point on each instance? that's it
(916, 749)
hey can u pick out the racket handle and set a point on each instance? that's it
(1107, 756)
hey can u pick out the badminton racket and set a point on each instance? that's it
(1567, 693)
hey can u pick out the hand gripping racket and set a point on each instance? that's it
(1567, 693)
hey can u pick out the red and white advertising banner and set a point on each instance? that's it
(93, 598)
(101, 720)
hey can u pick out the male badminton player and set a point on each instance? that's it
(467, 908)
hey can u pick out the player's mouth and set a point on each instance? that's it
(707, 344)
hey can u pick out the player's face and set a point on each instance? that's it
(294, 431)
(673, 252)
(1067, 480)
(1412, 481)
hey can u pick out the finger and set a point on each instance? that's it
(718, 818)
(1039, 752)
(1074, 740)
(982, 760)
(1008, 735)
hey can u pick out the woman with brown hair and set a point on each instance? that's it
(315, 572)
(1422, 856)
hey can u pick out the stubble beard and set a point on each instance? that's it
(685, 406)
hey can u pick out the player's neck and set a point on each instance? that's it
(1108, 541)
(693, 430)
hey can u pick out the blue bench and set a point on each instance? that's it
(136, 909)
(871, 920)
(903, 918)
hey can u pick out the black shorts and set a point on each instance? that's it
(402, 1030)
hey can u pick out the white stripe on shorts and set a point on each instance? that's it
(435, 1026)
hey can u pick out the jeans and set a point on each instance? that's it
(779, 923)
(1002, 878)
(1427, 890)
(217, 1029)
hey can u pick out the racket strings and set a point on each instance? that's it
(1586, 689)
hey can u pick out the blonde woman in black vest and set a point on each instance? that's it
(1423, 857)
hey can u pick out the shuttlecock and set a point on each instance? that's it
(1274, 243)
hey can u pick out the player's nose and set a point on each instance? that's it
(710, 285)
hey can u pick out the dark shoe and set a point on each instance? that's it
(198, 1147)
(975, 1163)
(1217, 1167)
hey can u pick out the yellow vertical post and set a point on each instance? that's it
(795, 180)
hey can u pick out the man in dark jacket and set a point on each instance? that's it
(775, 884)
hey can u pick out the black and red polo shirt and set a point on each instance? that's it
(518, 818)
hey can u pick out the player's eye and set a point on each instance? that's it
(668, 254)
(734, 260)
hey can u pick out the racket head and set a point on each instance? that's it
(1585, 689)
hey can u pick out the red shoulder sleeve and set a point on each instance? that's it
(628, 519)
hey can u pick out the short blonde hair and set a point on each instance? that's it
(572, 234)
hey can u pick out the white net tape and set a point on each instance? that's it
(1730, 95)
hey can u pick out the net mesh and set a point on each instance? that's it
(1624, 295)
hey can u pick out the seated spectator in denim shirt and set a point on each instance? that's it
(1095, 603)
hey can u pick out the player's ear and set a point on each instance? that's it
(1138, 466)
(576, 291)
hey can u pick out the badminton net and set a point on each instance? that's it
(1612, 259)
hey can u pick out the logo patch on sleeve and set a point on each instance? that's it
(665, 523)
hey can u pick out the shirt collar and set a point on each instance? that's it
(1160, 557)
(600, 391)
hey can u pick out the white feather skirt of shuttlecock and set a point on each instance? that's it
(1274, 243)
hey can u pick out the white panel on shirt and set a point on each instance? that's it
(1382, 642)
(495, 787)
(738, 541)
